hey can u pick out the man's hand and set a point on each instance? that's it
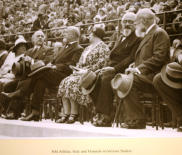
(132, 70)
(107, 69)
(81, 71)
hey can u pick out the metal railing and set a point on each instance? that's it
(46, 31)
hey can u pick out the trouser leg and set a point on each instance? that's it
(133, 107)
(103, 94)
(172, 97)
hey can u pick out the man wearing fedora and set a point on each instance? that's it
(151, 55)
(121, 56)
(59, 69)
(168, 83)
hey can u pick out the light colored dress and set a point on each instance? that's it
(5, 71)
(93, 58)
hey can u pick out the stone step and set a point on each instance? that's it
(48, 128)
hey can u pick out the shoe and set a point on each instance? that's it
(133, 126)
(179, 129)
(31, 117)
(3, 116)
(63, 119)
(11, 95)
(72, 119)
(102, 121)
(11, 116)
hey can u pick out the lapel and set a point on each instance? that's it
(146, 38)
(119, 40)
(39, 52)
(123, 44)
(64, 52)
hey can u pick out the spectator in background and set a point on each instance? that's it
(42, 19)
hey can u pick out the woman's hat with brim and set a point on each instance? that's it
(122, 84)
(18, 42)
(88, 82)
(37, 67)
(171, 75)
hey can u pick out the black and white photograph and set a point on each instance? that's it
(90, 69)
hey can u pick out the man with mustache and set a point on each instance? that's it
(151, 55)
(121, 56)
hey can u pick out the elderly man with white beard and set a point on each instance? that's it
(151, 55)
(121, 56)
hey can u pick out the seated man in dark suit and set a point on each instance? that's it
(39, 52)
(151, 55)
(168, 83)
(59, 69)
(121, 56)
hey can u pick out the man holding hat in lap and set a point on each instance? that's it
(151, 55)
(18, 87)
(56, 71)
(121, 56)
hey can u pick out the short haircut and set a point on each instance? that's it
(35, 33)
(75, 31)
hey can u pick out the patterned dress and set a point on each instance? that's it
(92, 59)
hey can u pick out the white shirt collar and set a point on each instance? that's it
(151, 26)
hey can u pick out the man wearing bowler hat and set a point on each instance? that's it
(121, 56)
(168, 83)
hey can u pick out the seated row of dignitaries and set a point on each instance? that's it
(39, 52)
(54, 72)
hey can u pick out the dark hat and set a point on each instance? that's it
(99, 32)
(18, 68)
(171, 75)
(37, 67)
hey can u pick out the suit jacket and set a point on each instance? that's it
(69, 55)
(152, 53)
(123, 53)
(44, 53)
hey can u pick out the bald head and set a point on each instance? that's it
(146, 16)
(128, 23)
(129, 16)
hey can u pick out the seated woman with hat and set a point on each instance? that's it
(7, 72)
(94, 57)
(18, 51)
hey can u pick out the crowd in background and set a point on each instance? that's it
(21, 16)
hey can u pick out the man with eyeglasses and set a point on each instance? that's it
(151, 55)
(121, 56)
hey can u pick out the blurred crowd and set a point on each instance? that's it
(21, 16)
